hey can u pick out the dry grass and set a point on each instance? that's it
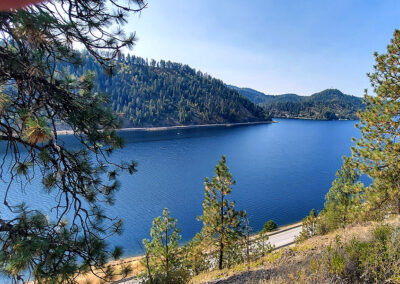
(133, 262)
(137, 268)
(288, 265)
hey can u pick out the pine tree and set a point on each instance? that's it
(35, 99)
(309, 226)
(222, 224)
(164, 261)
(263, 245)
(196, 258)
(270, 226)
(246, 239)
(344, 199)
(377, 153)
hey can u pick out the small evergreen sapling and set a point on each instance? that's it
(163, 261)
(222, 224)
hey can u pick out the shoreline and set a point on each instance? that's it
(164, 128)
(137, 268)
(315, 119)
(253, 236)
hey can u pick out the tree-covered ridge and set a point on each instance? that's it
(329, 104)
(165, 93)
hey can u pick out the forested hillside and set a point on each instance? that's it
(329, 104)
(166, 93)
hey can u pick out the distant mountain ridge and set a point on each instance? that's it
(152, 94)
(329, 104)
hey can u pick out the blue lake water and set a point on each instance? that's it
(283, 170)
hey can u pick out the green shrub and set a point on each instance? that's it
(270, 226)
(374, 261)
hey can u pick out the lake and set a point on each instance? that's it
(283, 170)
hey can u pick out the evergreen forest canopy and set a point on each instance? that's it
(330, 104)
(164, 93)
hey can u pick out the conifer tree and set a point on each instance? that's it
(270, 226)
(246, 239)
(196, 258)
(344, 199)
(263, 245)
(309, 226)
(222, 224)
(35, 100)
(377, 153)
(164, 262)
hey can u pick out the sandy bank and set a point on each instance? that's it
(163, 128)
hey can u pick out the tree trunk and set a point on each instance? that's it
(166, 250)
(263, 243)
(221, 253)
(398, 206)
(221, 243)
(248, 251)
(148, 268)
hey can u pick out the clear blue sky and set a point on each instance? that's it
(276, 47)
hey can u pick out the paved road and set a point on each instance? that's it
(278, 239)
(285, 237)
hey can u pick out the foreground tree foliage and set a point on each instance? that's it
(196, 255)
(343, 201)
(164, 261)
(57, 246)
(377, 153)
(222, 224)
